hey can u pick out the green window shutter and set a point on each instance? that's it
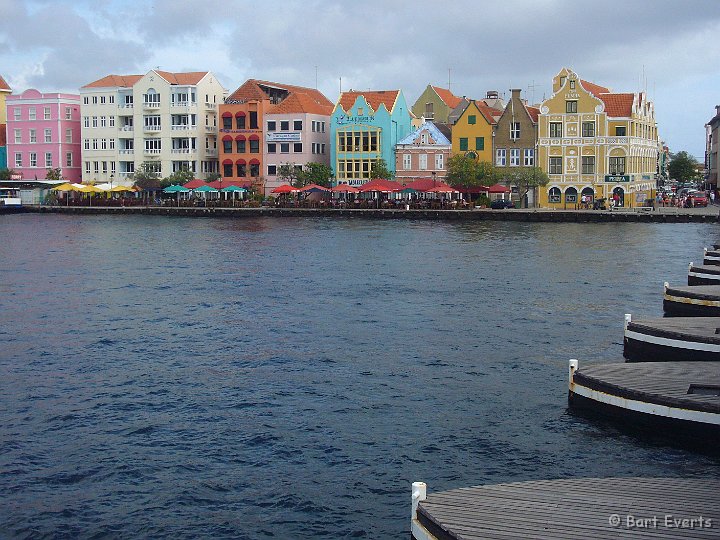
(472, 119)
(463, 143)
(479, 143)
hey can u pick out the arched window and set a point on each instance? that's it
(571, 195)
(588, 193)
(554, 195)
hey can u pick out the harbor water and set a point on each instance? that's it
(290, 377)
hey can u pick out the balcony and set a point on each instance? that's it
(182, 104)
(151, 105)
(182, 127)
(127, 151)
(153, 151)
(125, 106)
(127, 128)
(126, 174)
(183, 150)
(151, 129)
(211, 129)
(210, 106)
(211, 152)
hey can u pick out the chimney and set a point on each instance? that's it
(515, 93)
(492, 94)
(717, 109)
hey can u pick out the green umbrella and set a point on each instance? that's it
(175, 189)
(233, 189)
(205, 189)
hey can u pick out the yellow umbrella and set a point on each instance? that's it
(89, 188)
(121, 188)
(65, 187)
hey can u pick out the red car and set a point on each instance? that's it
(698, 199)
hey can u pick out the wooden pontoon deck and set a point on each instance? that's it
(572, 509)
(703, 274)
(672, 339)
(711, 257)
(692, 301)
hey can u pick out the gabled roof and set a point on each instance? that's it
(3, 84)
(450, 99)
(594, 89)
(533, 112)
(110, 81)
(299, 99)
(189, 78)
(618, 105)
(374, 98)
(487, 112)
(432, 129)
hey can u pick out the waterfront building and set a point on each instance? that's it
(423, 153)
(4, 92)
(473, 131)
(712, 148)
(366, 126)
(167, 120)
(515, 138)
(435, 104)
(265, 125)
(597, 143)
(44, 133)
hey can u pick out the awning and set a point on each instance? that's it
(239, 137)
(254, 137)
(240, 162)
(227, 162)
(227, 114)
(285, 188)
(227, 138)
(240, 113)
(254, 162)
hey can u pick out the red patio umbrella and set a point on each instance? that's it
(313, 187)
(285, 188)
(345, 188)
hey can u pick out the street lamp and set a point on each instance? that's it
(112, 177)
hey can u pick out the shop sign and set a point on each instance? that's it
(344, 120)
(617, 178)
(283, 136)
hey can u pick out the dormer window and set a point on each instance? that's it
(360, 111)
(423, 138)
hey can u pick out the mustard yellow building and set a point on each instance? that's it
(5, 91)
(596, 143)
(472, 132)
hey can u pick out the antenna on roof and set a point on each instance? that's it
(531, 87)
(341, 85)
(315, 77)
(449, 70)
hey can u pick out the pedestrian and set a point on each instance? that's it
(712, 196)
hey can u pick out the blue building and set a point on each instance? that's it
(365, 127)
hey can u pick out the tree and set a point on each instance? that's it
(465, 172)
(183, 176)
(380, 170)
(315, 173)
(683, 167)
(526, 179)
(54, 174)
(6, 174)
(288, 173)
(211, 177)
(147, 176)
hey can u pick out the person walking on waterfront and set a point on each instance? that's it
(712, 196)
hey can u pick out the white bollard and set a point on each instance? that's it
(419, 493)
(628, 319)
(572, 368)
(666, 285)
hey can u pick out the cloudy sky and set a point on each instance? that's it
(668, 47)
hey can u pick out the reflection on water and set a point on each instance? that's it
(291, 377)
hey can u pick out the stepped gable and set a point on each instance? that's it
(4, 85)
(110, 81)
(375, 98)
(450, 99)
(618, 105)
(189, 78)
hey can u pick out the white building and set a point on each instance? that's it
(168, 120)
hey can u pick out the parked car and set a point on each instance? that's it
(498, 204)
(699, 198)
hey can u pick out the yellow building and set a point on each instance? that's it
(596, 143)
(5, 91)
(472, 132)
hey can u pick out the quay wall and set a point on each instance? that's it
(531, 215)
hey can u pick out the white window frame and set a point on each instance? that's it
(439, 162)
(514, 157)
(529, 157)
(422, 162)
(48, 160)
(407, 162)
(48, 135)
(500, 157)
(514, 130)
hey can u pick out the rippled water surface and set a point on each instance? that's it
(289, 378)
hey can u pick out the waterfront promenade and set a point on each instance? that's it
(644, 215)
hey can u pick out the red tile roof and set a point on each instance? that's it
(488, 112)
(114, 80)
(375, 98)
(593, 88)
(450, 99)
(300, 102)
(192, 77)
(533, 112)
(618, 104)
(3, 84)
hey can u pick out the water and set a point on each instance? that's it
(289, 378)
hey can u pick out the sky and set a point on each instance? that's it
(665, 47)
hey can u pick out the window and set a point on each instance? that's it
(562, 81)
(94, 121)
(18, 136)
(423, 162)
(18, 159)
(48, 135)
(429, 111)
(571, 106)
(572, 84)
(284, 148)
(322, 148)
(424, 138)
(514, 157)
(588, 129)
(112, 121)
(588, 164)
(227, 146)
(272, 170)
(87, 167)
(479, 143)
(48, 160)
(86, 121)
(227, 122)
(271, 148)
(253, 120)
(68, 113)
(111, 99)
(472, 119)
(228, 170)
(529, 157)
(254, 170)
(94, 144)
(240, 121)
(407, 162)
(33, 135)
(514, 130)
(32, 114)
(555, 165)
(33, 159)
(111, 144)
(297, 148)
(554, 195)
(103, 144)
(102, 99)
(322, 124)
(555, 129)
(103, 121)
(284, 125)
(297, 125)
(620, 131)
(571, 195)
(254, 146)
(86, 100)
(439, 161)
(46, 113)
(272, 125)
(17, 113)
(463, 143)
(240, 145)
(153, 145)
(617, 165)
(500, 157)
(87, 144)
(94, 98)
(241, 170)
(104, 167)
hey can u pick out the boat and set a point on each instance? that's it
(10, 200)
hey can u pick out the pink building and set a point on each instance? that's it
(423, 154)
(43, 132)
